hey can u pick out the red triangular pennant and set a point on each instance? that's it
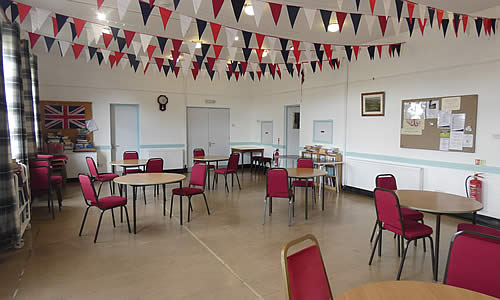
(356, 51)
(275, 11)
(176, 71)
(230, 68)
(260, 39)
(55, 27)
(296, 53)
(77, 49)
(372, 5)
(411, 7)
(79, 24)
(320, 64)
(33, 38)
(177, 44)
(151, 49)
(159, 63)
(465, 19)
(99, 3)
(118, 56)
(195, 72)
(112, 60)
(328, 50)
(341, 18)
(237, 75)
(23, 11)
(379, 48)
(382, 20)
(439, 13)
(259, 54)
(107, 39)
(216, 5)
(243, 65)
(330, 61)
(146, 68)
(298, 66)
(487, 26)
(165, 16)
(422, 25)
(211, 62)
(278, 70)
(217, 50)
(259, 74)
(175, 55)
(215, 30)
(272, 68)
(129, 36)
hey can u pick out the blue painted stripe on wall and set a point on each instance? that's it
(102, 147)
(424, 162)
(156, 146)
(256, 144)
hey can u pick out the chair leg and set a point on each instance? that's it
(51, 205)
(377, 240)
(144, 193)
(110, 187)
(265, 207)
(171, 205)
(128, 222)
(59, 197)
(113, 216)
(399, 246)
(84, 219)
(423, 240)
(402, 259)
(433, 259)
(380, 242)
(180, 208)
(189, 209)
(238, 179)
(270, 206)
(290, 211)
(98, 226)
(293, 207)
(206, 203)
(213, 180)
(374, 230)
(225, 182)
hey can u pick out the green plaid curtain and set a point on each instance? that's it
(27, 96)
(13, 90)
(36, 103)
(9, 231)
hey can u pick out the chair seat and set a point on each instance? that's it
(187, 191)
(133, 171)
(56, 180)
(110, 201)
(107, 176)
(267, 159)
(224, 171)
(478, 229)
(411, 214)
(282, 195)
(303, 183)
(412, 229)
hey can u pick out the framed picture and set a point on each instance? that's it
(373, 104)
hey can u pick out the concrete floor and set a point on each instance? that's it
(228, 255)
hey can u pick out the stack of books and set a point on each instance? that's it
(52, 137)
(82, 142)
(68, 145)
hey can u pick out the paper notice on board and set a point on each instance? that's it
(457, 140)
(444, 144)
(457, 122)
(468, 140)
(452, 103)
(444, 119)
(413, 127)
(432, 111)
(415, 110)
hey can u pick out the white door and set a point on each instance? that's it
(124, 129)
(292, 129)
(208, 128)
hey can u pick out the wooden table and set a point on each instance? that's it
(251, 150)
(145, 179)
(207, 160)
(411, 290)
(338, 171)
(128, 163)
(308, 173)
(437, 203)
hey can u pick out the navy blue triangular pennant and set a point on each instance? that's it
(92, 52)
(371, 52)
(247, 36)
(252, 75)
(396, 48)
(292, 13)
(445, 23)
(242, 70)
(176, 3)
(166, 69)
(201, 25)
(313, 66)
(325, 16)
(284, 43)
(162, 41)
(146, 10)
(357, 4)
(204, 49)
(131, 58)
(61, 20)
(237, 8)
(317, 47)
(5, 4)
(479, 26)
(399, 9)
(494, 25)
(246, 53)
(100, 57)
(263, 68)
(356, 18)
(229, 74)
(285, 54)
(210, 72)
(337, 63)
(121, 43)
(73, 31)
(411, 25)
(234, 65)
(431, 15)
(135, 65)
(456, 22)
(115, 31)
(290, 69)
(348, 51)
(199, 60)
(14, 11)
(172, 64)
(49, 42)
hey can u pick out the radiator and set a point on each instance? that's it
(172, 158)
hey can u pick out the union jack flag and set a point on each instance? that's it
(64, 116)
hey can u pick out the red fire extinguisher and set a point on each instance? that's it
(276, 157)
(475, 186)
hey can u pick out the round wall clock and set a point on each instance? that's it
(162, 101)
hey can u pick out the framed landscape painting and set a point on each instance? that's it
(373, 104)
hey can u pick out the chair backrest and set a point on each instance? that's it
(387, 207)
(40, 162)
(198, 174)
(232, 165)
(277, 182)
(473, 262)
(39, 177)
(130, 155)
(198, 152)
(154, 165)
(305, 163)
(304, 271)
(45, 156)
(386, 181)
(89, 194)
(92, 167)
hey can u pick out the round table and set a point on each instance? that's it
(145, 179)
(437, 203)
(411, 290)
(207, 159)
(128, 163)
(308, 173)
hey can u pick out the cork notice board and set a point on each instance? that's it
(439, 123)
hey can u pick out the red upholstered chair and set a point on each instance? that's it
(305, 163)
(200, 152)
(131, 155)
(104, 204)
(478, 229)
(154, 165)
(43, 182)
(231, 168)
(101, 177)
(277, 187)
(304, 271)
(389, 217)
(473, 263)
(198, 174)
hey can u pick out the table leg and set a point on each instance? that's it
(242, 162)
(164, 198)
(120, 189)
(180, 202)
(437, 236)
(134, 193)
(323, 193)
(306, 202)
(474, 217)
(207, 164)
(337, 185)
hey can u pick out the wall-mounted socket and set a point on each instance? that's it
(480, 162)
(210, 101)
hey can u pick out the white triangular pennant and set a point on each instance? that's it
(145, 41)
(232, 52)
(340, 2)
(137, 47)
(271, 41)
(220, 65)
(63, 46)
(387, 6)
(122, 6)
(191, 47)
(258, 9)
(124, 63)
(97, 31)
(230, 35)
(450, 17)
(185, 23)
(144, 61)
(196, 5)
(397, 25)
(272, 56)
(87, 54)
(254, 67)
(41, 17)
(310, 14)
(370, 20)
(186, 64)
(422, 9)
(105, 54)
(307, 50)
